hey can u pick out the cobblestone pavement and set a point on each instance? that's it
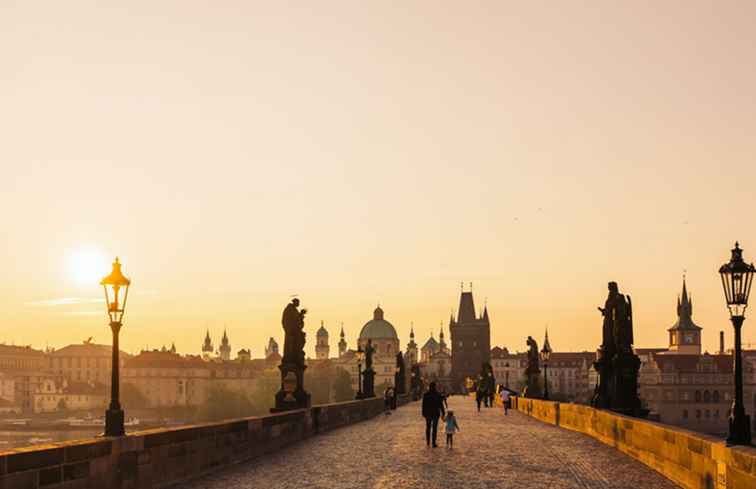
(492, 451)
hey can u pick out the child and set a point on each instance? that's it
(451, 428)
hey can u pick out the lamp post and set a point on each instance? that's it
(737, 277)
(116, 292)
(360, 358)
(545, 354)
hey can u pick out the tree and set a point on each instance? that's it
(263, 395)
(342, 386)
(224, 403)
(318, 384)
(132, 397)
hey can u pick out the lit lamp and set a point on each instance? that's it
(360, 358)
(116, 292)
(737, 277)
(545, 354)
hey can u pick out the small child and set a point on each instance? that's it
(451, 428)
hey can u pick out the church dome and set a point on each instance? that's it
(378, 328)
(322, 331)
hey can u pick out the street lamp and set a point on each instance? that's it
(116, 292)
(545, 354)
(737, 277)
(360, 358)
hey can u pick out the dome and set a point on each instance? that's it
(322, 331)
(378, 328)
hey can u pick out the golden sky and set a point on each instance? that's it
(357, 152)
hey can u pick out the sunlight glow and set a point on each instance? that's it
(86, 266)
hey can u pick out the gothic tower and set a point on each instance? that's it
(342, 342)
(441, 341)
(321, 345)
(470, 340)
(411, 356)
(207, 347)
(685, 335)
(225, 348)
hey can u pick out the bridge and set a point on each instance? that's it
(355, 445)
(492, 450)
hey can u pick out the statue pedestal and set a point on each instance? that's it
(533, 384)
(368, 383)
(618, 385)
(292, 394)
(625, 400)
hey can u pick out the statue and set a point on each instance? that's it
(533, 386)
(368, 375)
(400, 378)
(533, 358)
(294, 339)
(369, 351)
(617, 364)
(292, 394)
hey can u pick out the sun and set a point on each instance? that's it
(86, 265)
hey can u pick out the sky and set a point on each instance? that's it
(235, 153)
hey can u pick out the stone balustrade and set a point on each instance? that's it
(161, 457)
(692, 460)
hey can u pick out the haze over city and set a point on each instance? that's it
(235, 155)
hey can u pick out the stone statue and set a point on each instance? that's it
(294, 339)
(617, 364)
(532, 354)
(618, 323)
(292, 394)
(369, 351)
(400, 378)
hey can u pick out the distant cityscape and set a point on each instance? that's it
(679, 383)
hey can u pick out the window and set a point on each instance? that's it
(706, 396)
(715, 397)
(685, 414)
(708, 414)
(716, 413)
(698, 414)
(698, 396)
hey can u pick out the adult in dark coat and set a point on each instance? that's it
(433, 408)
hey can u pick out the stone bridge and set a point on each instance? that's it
(492, 451)
(541, 444)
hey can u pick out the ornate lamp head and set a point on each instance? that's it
(116, 286)
(737, 278)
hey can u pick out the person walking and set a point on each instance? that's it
(433, 408)
(478, 397)
(451, 428)
(505, 400)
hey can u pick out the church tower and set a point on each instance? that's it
(441, 341)
(321, 345)
(207, 347)
(225, 348)
(470, 339)
(685, 335)
(342, 342)
(411, 356)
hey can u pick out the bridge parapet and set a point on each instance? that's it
(158, 458)
(692, 460)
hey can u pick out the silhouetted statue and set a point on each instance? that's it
(292, 394)
(369, 351)
(368, 375)
(533, 387)
(617, 365)
(294, 339)
(533, 363)
(400, 379)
